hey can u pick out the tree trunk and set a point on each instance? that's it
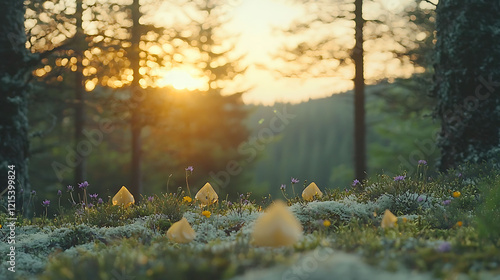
(136, 183)
(359, 96)
(135, 103)
(79, 105)
(467, 81)
(80, 169)
(14, 73)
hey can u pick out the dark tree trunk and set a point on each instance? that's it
(14, 74)
(467, 81)
(136, 184)
(359, 96)
(135, 103)
(80, 169)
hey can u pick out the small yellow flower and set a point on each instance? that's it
(405, 220)
(206, 213)
(0, 226)
(187, 199)
(456, 194)
(327, 223)
(460, 223)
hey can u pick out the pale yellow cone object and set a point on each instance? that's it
(207, 195)
(123, 197)
(311, 191)
(388, 220)
(276, 227)
(181, 232)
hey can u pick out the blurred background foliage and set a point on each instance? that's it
(316, 145)
(209, 128)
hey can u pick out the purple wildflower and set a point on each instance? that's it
(283, 187)
(294, 180)
(446, 202)
(355, 182)
(399, 178)
(21, 191)
(241, 196)
(59, 192)
(189, 168)
(444, 247)
(94, 196)
(91, 205)
(422, 162)
(245, 202)
(229, 204)
(99, 201)
(150, 198)
(459, 175)
(33, 193)
(420, 199)
(83, 185)
(46, 203)
(70, 188)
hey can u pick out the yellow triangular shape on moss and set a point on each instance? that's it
(389, 220)
(311, 191)
(207, 195)
(181, 232)
(123, 197)
(276, 227)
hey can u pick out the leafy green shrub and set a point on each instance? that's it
(340, 212)
(108, 215)
(159, 223)
(445, 216)
(74, 236)
(488, 214)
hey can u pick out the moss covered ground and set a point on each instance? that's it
(447, 227)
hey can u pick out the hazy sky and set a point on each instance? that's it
(255, 21)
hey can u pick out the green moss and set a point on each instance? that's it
(117, 242)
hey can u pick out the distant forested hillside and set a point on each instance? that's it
(310, 141)
(315, 142)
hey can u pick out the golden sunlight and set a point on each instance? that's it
(181, 79)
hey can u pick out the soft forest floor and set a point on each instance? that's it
(447, 228)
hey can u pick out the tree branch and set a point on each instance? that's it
(432, 3)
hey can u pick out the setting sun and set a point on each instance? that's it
(181, 79)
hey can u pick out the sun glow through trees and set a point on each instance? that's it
(182, 79)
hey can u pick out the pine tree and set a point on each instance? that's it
(359, 95)
(103, 43)
(14, 90)
(335, 35)
(467, 80)
(205, 127)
